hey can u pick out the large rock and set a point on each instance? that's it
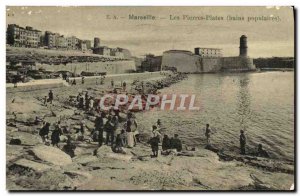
(26, 138)
(27, 129)
(27, 164)
(52, 155)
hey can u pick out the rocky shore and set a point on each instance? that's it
(31, 165)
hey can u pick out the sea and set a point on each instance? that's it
(260, 103)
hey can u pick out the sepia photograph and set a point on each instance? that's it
(150, 98)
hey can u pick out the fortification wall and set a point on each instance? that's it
(210, 64)
(237, 63)
(110, 67)
(187, 62)
(182, 61)
(190, 63)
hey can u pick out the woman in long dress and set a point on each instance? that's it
(130, 127)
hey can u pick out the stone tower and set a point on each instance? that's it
(96, 42)
(243, 46)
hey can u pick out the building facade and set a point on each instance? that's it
(117, 52)
(51, 39)
(73, 43)
(23, 37)
(28, 37)
(208, 52)
(61, 42)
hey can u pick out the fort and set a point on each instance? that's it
(205, 60)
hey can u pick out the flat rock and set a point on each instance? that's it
(26, 138)
(106, 152)
(13, 152)
(84, 159)
(28, 129)
(52, 155)
(76, 117)
(118, 156)
(27, 164)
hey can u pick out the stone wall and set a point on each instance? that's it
(237, 63)
(110, 67)
(183, 61)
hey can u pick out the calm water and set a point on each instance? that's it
(260, 103)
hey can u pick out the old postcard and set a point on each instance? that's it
(150, 98)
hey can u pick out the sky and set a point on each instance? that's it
(265, 38)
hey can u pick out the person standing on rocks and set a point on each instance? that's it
(82, 80)
(45, 100)
(55, 135)
(81, 100)
(242, 142)
(131, 129)
(118, 146)
(124, 86)
(44, 131)
(115, 122)
(87, 103)
(154, 142)
(109, 128)
(86, 96)
(78, 97)
(15, 81)
(175, 143)
(50, 96)
(166, 145)
(82, 127)
(99, 125)
(112, 83)
(69, 148)
(207, 134)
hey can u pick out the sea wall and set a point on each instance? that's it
(110, 67)
(57, 83)
(118, 78)
(35, 85)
